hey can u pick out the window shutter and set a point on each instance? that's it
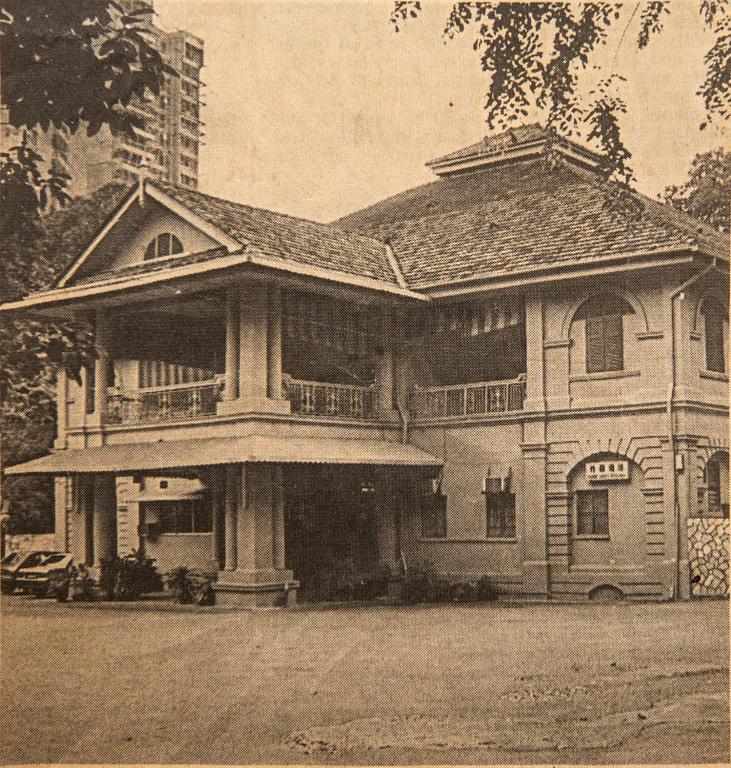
(601, 511)
(594, 344)
(714, 338)
(583, 512)
(613, 341)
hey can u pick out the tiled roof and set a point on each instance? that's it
(278, 235)
(495, 144)
(518, 217)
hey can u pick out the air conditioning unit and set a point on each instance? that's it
(495, 484)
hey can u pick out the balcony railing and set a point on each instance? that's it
(171, 403)
(315, 398)
(469, 399)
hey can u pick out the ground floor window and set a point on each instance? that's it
(434, 515)
(179, 516)
(592, 512)
(500, 510)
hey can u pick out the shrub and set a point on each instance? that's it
(82, 587)
(182, 585)
(486, 590)
(59, 584)
(128, 577)
(422, 584)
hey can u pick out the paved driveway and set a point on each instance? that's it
(465, 684)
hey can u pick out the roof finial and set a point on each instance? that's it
(143, 173)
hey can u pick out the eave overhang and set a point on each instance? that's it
(62, 301)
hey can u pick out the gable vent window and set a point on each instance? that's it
(714, 316)
(604, 333)
(163, 245)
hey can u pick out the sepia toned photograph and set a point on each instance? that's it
(364, 382)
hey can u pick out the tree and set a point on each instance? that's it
(707, 191)
(27, 381)
(77, 64)
(534, 54)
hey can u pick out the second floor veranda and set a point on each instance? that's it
(265, 349)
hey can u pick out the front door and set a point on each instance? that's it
(330, 533)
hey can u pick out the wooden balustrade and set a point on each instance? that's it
(468, 399)
(315, 398)
(170, 403)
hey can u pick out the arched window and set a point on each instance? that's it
(604, 332)
(715, 316)
(163, 245)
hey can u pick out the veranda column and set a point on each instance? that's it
(245, 521)
(105, 518)
(218, 513)
(253, 324)
(231, 385)
(257, 580)
(535, 360)
(274, 352)
(278, 519)
(385, 369)
(232, 479)
(102, 365)
(62, 409)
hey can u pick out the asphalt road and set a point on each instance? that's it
(618, 683)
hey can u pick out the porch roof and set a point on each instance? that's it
(178, 454)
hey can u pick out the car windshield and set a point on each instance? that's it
(34, 559)
(52, 559)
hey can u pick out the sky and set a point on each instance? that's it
(319, 108)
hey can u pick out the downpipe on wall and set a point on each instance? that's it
(678, 292)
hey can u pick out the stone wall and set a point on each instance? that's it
(708, 552)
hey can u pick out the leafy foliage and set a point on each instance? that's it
(534, 53)
(77, 62)
(707, 191)
(128, 577)
(30, 259)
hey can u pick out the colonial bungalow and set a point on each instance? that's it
(494, 372)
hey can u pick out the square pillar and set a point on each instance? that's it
(534, 340)
(258, 578)
(102, 365)
(255, 380)
(105, 518)
(385, 371)
(218, 513)
(231, 384)
(535, 558)
(62, 409)
(231, 493)
(274, 347)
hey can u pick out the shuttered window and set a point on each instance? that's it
(714, 319)
(434, 515)
(500, 507)
(604, 333)
(592, 512)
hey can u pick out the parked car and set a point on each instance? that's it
(13, 562)
(35, 579)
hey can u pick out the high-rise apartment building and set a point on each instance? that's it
(168, 144)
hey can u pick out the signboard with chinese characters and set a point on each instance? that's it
(607, 470)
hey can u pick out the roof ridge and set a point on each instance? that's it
(246, 206)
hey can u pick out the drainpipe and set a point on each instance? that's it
(671, 425)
